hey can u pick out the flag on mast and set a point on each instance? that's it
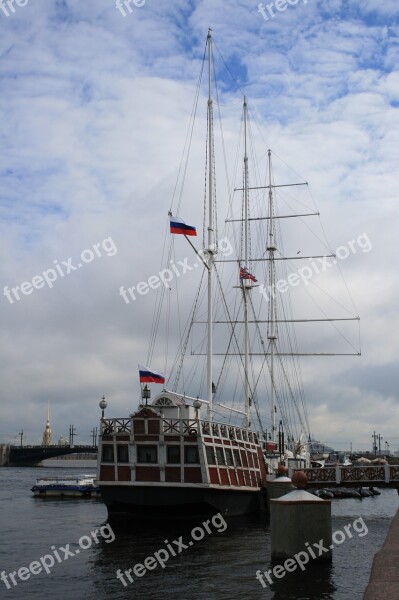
(178, 226)
(149, 376)
(244, 274)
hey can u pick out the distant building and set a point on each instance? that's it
(47, 435)
(318, 448)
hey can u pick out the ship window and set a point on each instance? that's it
(210, 456)
(108, 453)
(173, 454)
(191, 455)
(220, 456)
(229, 457)
(237, 458)
(147, 454)
(123, 453)
(164, 402)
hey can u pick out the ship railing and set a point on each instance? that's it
(229, 432)
(184, 427)
(109, 426)
(179, 426)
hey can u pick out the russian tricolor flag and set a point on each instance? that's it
(148, 376)
(177, 225)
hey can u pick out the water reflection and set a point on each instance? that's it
(315, 583)
(220, 565)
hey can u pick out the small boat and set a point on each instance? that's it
(365, 493)
(83, 486)
(324, 494)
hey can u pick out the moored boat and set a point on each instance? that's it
(83, 486)
(167, 459)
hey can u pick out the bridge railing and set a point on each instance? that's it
(349, 475)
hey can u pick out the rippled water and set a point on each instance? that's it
(221, 566)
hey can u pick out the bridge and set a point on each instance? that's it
(30, 456)
(352, 476)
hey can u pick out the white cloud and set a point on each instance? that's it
(94, 112)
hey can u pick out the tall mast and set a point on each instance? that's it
(245, 287)
(211, 246)
(272, 333)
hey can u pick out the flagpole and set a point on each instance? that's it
(196, 252)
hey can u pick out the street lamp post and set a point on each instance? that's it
(103, 406)
(146, 394)
(197, 406)
(375, 437)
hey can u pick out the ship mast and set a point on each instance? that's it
(272, 331)
(245, 287)
(210, 251)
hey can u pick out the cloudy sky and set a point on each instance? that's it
(95, 106)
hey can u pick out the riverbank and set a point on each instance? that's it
(384, 577)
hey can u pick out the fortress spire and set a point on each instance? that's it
(47, 435)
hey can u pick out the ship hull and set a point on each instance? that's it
(165, 502)
(65, 493)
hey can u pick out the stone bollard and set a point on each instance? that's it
(279, 486)
(298, 521)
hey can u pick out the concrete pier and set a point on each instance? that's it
(384, 577)
(278, 487)
(4, 454)
(297, 521)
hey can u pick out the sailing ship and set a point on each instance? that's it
(176, 455)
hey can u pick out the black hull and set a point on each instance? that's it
(152, 502)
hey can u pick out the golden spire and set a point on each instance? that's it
(47, 435)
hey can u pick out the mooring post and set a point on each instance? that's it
(298, 520)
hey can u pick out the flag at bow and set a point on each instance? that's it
(244, 274)
(148, 376)
(177, 225)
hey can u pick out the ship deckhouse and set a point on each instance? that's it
(165, 445)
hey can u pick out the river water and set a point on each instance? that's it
(220, 566)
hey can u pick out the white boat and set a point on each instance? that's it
(337, 459)
(182, 454)
(83, 486)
